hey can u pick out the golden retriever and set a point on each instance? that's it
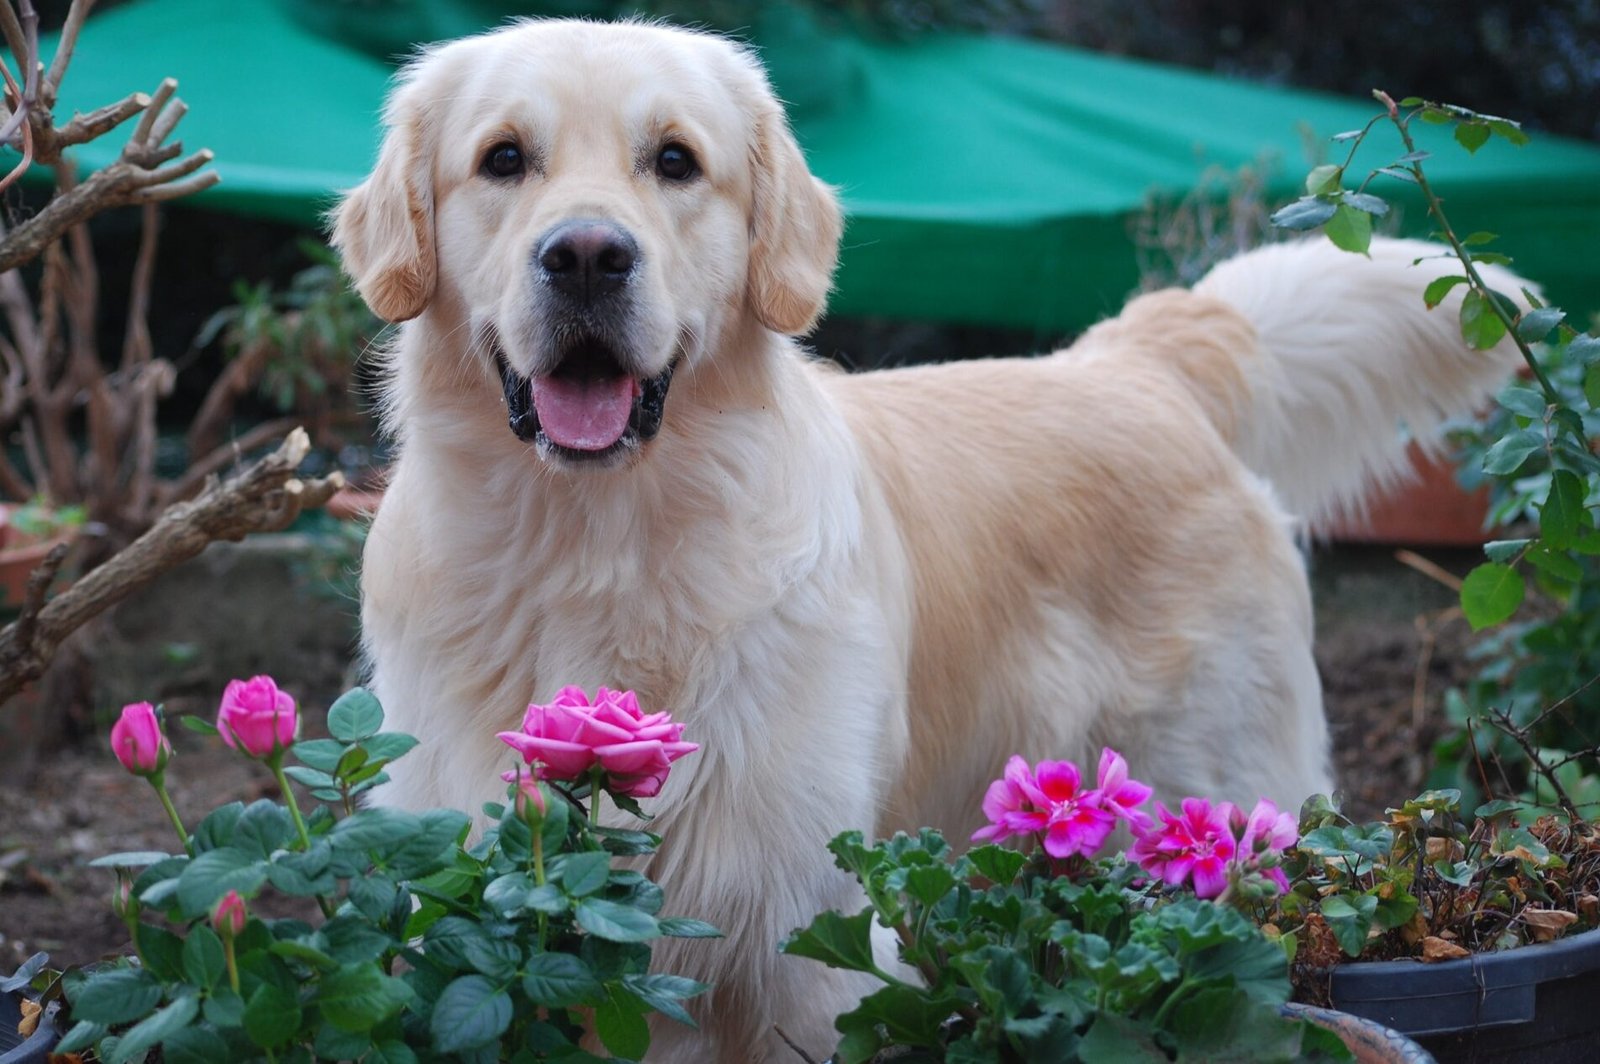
(861, 592)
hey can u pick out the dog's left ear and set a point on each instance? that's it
(794, 229)
(383, 228)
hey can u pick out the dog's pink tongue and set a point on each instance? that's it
(585, 415)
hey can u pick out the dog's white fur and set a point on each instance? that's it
(860, 592)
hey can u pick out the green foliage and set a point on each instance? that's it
(431, 947)
(1021, 964)
(1537, 450)
(1430, 874)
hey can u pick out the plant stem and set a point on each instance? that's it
(1436, 208)
(159, 782)
(275, 763)
(596, 774)
(233, 966)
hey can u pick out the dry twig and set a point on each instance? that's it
(265, 497)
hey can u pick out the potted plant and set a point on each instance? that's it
(1476, 935)
(28, 532)
(1061, 954)
(28, 1018)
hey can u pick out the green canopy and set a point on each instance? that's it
(986, 180)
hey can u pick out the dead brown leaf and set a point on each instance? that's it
(1437, 949)
(1546, 924)
(30, 1018)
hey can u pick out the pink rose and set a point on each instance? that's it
(137, 741)
(531, 799)
(567, 737)
(228, 915)
(256, 717)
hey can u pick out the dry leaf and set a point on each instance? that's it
(1546, 924)
(1589, 906)
(1443, 849)
(1437, 949)
(30, 1018)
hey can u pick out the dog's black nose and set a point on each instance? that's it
(585, 259)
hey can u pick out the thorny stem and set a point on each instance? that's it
(1436, 208)
(596, 774)
(233, 967)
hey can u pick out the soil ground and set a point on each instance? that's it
(80, 804)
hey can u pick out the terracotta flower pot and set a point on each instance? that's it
(1427, 510)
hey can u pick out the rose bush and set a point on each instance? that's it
(431, 945)
(137, 740)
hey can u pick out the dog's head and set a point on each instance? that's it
(595, 205)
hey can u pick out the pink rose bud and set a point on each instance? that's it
(122, 902)
(531, 798)
(137, 741)
(228, 917)
(256, 717)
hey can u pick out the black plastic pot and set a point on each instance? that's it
(1535, 1005)
(14, 1049)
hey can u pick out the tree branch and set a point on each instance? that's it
(265, 497)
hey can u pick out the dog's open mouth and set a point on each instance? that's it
(589, 407)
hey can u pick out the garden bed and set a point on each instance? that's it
(81, 803)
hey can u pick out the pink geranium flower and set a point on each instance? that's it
(566, 737)
(1051, 801)
(256, 717)
(1263, 836)
(137, 740)
(1119, 795)
(1194, 845)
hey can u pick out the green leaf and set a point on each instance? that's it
(836, 940)
(211, 875)
(388, 746)
(148, 1033)
(663, 992)
(1118, 1038)
(1472, 135)
(1480, 328)
(1535, 325)
(312, 778)
(614, 922)
(1490, 594)
(217, 827)
(130, 859)
(928, 884)
(684, 927)
(560, 980)
(203, 962)
(263, 827)
(117, 996)
(1583, 349)
(622, 1027)
(1505, 550)
(996, 863)
(198, 724)
(912, 1016)
(355, 715)
(272, 1015)
(1591, 386)
(1308, 212)
(585, 873)
(82, 1035)
(1523, 401)
(1560, 519)
(1324, 178)
(471, 1012)
(1478, 239)
(1513, 449)
(1440, 287)
(358, 997)
(320, 754)
(1366, 202)
(508, 894)
(1350, 229)
(1350, 919)
(193, 1045)
(1398, 172)
(374, 829)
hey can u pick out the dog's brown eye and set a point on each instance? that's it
(503, 160)
(676, 163)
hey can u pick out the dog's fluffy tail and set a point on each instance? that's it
(1348, 364)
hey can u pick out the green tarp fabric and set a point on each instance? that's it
(986, 180)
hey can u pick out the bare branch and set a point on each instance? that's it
(102, 120)
(147, 121)
(12, 29)
(64, 47)
(221, 457)
(265, 497)
(179, 189)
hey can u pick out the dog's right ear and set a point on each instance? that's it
(383, 227)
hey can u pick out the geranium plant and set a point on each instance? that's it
(1061, 954)
(413, 941)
